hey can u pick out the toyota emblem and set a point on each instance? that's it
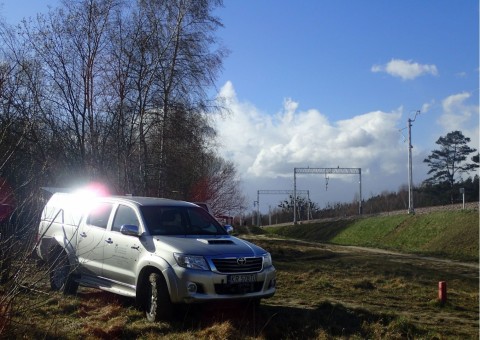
(241, 261)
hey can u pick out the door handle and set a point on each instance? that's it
(109, 240)
(83, 234)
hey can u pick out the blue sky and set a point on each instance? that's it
(321, 53)
(332, 83)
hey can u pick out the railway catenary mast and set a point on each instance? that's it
(342, 171)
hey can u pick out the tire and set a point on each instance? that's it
(255, 303)
(157, 300)
(5, 266)
(61, 278)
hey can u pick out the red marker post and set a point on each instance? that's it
(442, 291)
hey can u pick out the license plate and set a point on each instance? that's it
(242, 278)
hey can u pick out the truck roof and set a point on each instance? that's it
(139, 200)
(72, 206)
(148, 201)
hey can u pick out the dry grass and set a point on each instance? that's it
(397, 292)
(324, 292)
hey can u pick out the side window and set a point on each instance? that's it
(99, 215)
(124, 215)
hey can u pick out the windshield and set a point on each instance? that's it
(164, 220)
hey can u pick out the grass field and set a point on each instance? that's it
(448, 234)
(324, 291)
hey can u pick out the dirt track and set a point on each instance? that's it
(377, 281)
(387, 254)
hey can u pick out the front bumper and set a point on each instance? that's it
(191, 286)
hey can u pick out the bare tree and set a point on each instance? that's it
(160, 64)
(70, 44)
(179, 37)
(120, 91)
(108, 90)
(220, 187)
(21, 164)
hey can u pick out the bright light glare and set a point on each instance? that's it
(84, 194)
(79, 201)
(92, 190)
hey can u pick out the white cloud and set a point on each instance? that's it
(227, 92)
(405, 69)
(266, 145)
(459, 115)
(427, 106)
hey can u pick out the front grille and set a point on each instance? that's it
(238, 288)
(238, 265)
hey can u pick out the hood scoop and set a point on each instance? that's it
(215, 241)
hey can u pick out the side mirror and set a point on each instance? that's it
(130, 230)
(228, 228)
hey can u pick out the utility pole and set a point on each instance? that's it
(258, 209)
(257, 204)
(294, 195)
(411, 209)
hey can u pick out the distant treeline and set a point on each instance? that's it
(426, 195)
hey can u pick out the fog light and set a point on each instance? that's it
(272, 283)
(192, 287)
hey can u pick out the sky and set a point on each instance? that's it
(332, 83)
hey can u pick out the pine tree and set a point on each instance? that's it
(450, 160)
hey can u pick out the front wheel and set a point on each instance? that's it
(157, 305)
(61, 278)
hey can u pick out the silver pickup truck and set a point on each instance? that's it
(160, 252)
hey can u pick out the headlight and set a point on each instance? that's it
(191, 261)
(267, 260)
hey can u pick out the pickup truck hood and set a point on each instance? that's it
(208, 246)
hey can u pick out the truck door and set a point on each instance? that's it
(91, 239)
(122, 251)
